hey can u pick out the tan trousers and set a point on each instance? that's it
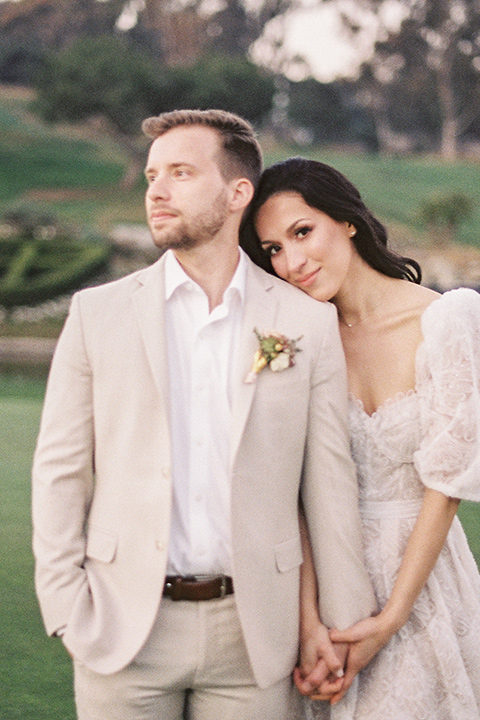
(194, 665)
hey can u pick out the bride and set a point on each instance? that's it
(413, 361)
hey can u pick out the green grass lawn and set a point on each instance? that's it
(35, 671)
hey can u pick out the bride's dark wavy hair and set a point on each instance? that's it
(326, 189)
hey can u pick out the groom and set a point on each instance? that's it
(165, 486)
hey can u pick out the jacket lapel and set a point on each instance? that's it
(149, 302)
(259, 312)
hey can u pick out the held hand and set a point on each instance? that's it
(365, 639)
(321, 664)
(333, 685)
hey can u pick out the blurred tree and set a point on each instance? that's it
(238, 24)
(30, 27)
(185, 32)
(443, 213)
(427, 74)
(320, 109)
(106, 82)
(19, 60)
(230, 83)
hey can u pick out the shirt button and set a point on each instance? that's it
(161, 546)
(166, 472)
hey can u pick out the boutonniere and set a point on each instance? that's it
(274, 350)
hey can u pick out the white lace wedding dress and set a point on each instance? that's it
(430, 436)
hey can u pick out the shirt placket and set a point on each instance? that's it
(199, 438)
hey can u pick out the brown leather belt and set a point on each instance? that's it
(197, 588)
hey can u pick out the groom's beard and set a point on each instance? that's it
(188, 233)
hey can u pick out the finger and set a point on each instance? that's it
(331, 686)
(347, 636)
(334, 699)
(303, 686)
(350, 674)
(347, 682)
(318, 674)
(333, 663)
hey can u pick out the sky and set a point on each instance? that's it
(317, 33)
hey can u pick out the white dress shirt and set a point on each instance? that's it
(201, 348)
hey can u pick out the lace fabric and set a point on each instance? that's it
(427, 437)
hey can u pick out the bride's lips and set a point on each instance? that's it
(307, 280)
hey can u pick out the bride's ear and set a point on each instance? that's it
(352, 230)
(241, 194)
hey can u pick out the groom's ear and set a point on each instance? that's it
(241, 192)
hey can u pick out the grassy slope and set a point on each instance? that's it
(36, 157)
(35, 672)
(61, 169)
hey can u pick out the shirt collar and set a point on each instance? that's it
(176, 277)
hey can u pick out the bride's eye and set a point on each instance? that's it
(272, 250)
(302, 231)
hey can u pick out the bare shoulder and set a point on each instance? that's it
(416, 298)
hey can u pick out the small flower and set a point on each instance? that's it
(275, 350)
(281, 362)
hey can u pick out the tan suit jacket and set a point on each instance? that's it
(102, 482)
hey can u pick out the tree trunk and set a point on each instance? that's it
(132, 172)
(446, 96)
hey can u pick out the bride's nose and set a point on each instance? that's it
(295, 257)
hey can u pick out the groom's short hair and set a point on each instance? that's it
(241, 156)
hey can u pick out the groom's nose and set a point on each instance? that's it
(158, 188)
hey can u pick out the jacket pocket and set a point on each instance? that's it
(288, 554)
(101, 545)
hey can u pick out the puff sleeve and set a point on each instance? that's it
(448, 379)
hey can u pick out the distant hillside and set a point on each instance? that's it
(64, 169)
(74, 174)
(34, 155)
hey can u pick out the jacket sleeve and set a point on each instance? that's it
(63, 476)
(330, 492)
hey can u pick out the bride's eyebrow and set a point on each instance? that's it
(289, 231)
(268, 242)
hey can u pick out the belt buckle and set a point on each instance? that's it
(223, 586)
(174, 587)
(212, 578)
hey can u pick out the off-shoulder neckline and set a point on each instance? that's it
(384, 406)
(411, 392)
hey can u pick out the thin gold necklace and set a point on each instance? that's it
(365, 317)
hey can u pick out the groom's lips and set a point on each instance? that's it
(161, 215)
